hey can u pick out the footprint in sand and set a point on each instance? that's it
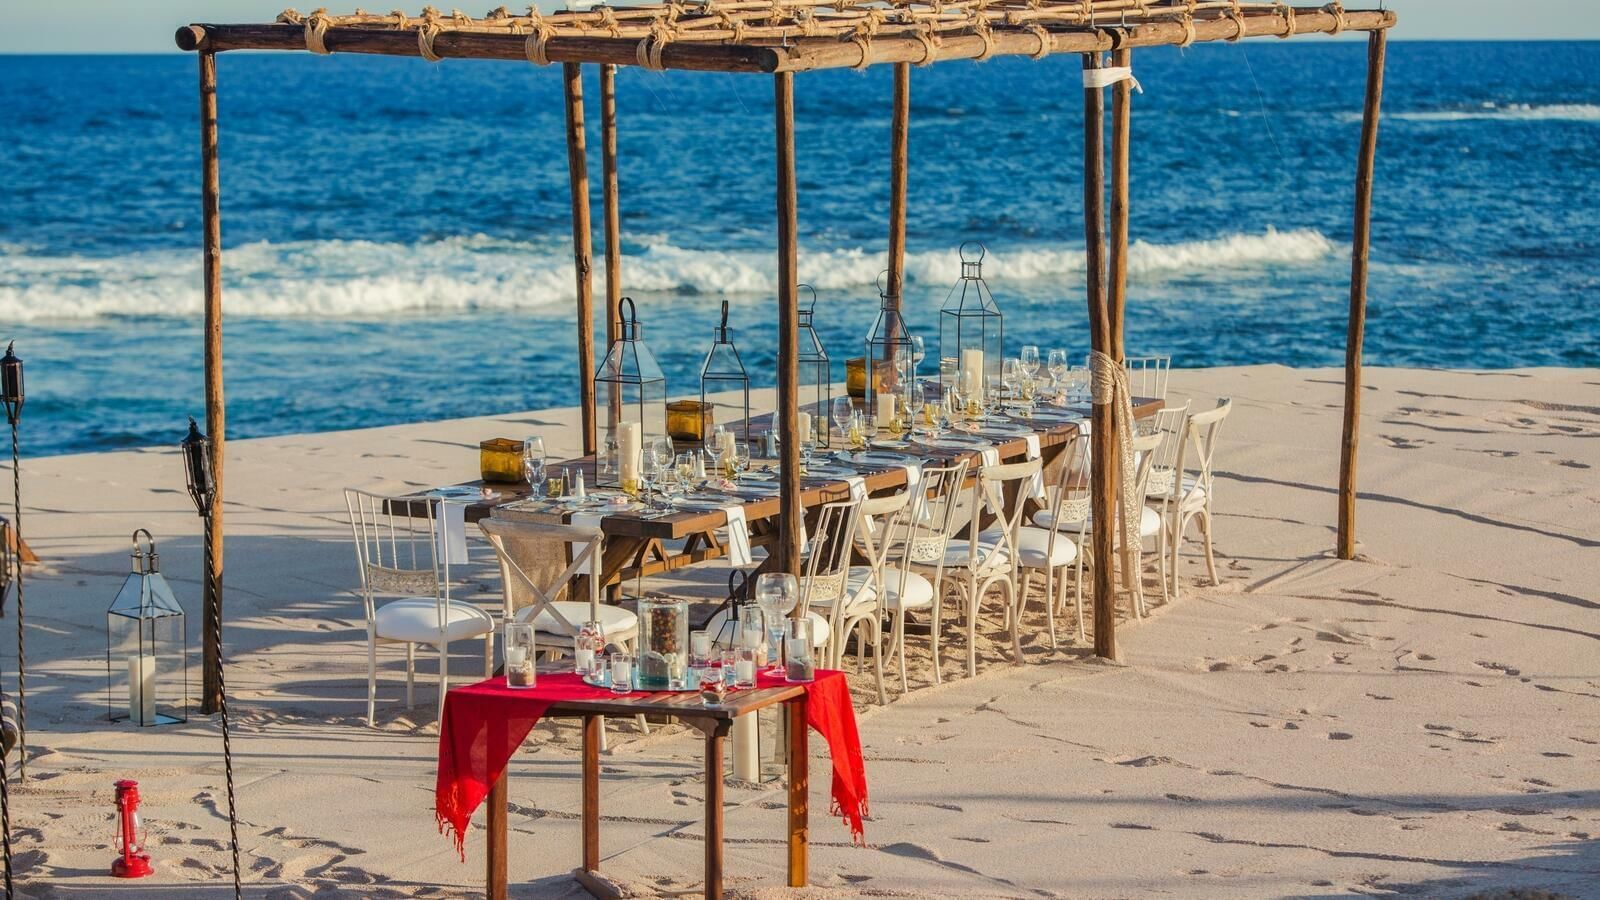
(1340, 735)
(1498, 667)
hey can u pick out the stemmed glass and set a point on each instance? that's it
(740, 462)
(714, 449)
(841, 415)
(1011, 379)
(1078, 378)
(914, 404)
(649, 470)
(1058, 368)
(808, 446)
(533, 463)
(776, 594)
(1030, 360)
(919, 352)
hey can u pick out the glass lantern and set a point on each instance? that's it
(663, 644)
(630, 399)
(815, 377)
(147, 652)
(723, 372)
(971, 329)
(889, 357)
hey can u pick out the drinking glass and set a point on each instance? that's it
(1030, 360)
(919, 352)
(648, 472)
(533, 460)
(776, 594)
(621, 665)
(842, 411)
(520, 653)
(808, 446)
(588, 646)
(1079, 380)
(714, 450)
(914, 406)
(1058, 368)
(683, 468)
(1011, 375)
(799, 665)
(744, 667)
(740, 463)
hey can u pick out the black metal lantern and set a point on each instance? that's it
(815, 377)
(723, 373)
(197, 468)
(630, 403)
(11, 383)
(147, 648)
(971, 329)
(889, 358)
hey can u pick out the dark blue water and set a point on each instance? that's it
(399, 245)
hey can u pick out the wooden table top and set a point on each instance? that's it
(814, 493)
(678, 703)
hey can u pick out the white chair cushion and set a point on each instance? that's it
(1149, 524)
(918, 590)
(1034, 550)
(957, 551)
(416, 619)
(859, 592)
(819, 628)
(619, 623)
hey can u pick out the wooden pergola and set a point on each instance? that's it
(780, 38)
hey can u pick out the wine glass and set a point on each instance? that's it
(662, 448)
(1030, 360)
(1011, 377)
(533, 460)
(740, 463)
(1058, 368)
(842, 409)
(808, 446)
(914, 404)
(649, 471)
(919, 352)
(776, 594)
(714, 450)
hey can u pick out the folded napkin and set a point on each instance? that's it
(990, 455)
(452, 534)
(1036, 484)
(919, 502)
(738, 536)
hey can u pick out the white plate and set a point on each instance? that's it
(824, 470)
(946, 443)
(885, 458)
(1005, 429)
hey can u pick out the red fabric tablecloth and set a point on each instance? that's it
(484, 724)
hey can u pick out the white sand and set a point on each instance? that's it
(1421, 721)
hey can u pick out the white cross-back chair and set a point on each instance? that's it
(881, 521)
(519, 546)
(825, 584)
(1147, 376)
(931, 523)
(1195, 492)
(989, 558)
(1161, 485)
(1053, 543)
(397, 554)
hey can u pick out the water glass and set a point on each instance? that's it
(621, 665)
(588, 646)
(843, 410)
(776, 594)
(1058, 368)
(1030, 360)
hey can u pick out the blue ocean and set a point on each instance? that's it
(398, 242)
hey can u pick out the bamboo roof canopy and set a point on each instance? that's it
(781, 38)
(785, 35)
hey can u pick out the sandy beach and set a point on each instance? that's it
(1424, 720)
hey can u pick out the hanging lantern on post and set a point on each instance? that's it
(723, 372)
(888, 350)
(630, 403)
(147, 650)
(12, 396)
(971, 329)
(11, 384)
(815, 376)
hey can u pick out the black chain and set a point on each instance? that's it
(22, 655)
(222, 704)
(5, 791)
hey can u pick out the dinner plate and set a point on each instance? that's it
(952, 443)
(891, 444)
(1005, 429)
(704, 504)
(824, 470)
(885, 458)
(457, 492)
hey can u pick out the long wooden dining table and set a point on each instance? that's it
(640, 543)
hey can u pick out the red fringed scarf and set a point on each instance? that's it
(484, 723)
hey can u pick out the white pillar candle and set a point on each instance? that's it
(727, 444)
(142, 689)
(746, 752)
(745, 670)
(885, 409)
(628, 447)
(972, 369)
(583, 660)
(802, 426)
(516, 656)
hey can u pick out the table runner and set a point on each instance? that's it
(484, 723)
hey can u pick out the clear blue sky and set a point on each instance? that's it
(146, 26)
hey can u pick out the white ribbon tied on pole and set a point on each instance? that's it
(1104, 78)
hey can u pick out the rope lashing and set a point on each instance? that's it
(1340, 23)
(401, 20)
(930, 41)
(1108, 383)
(316, 28)
(290, 16)
(1188, 32)
(425, 36)
(1040, 32)
(982, 30)
(864, 43)
(534, 46)
(1287, 11)
(1237, 16)
(649, 50)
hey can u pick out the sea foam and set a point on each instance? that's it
(1510, 112)
(368, 279)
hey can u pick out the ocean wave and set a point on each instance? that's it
(322, 279)
(1514, 112)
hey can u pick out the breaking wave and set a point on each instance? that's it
(321, 279)
(1516, 112)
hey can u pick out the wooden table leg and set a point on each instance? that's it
(495, 880)
(799, 788)
(591, 792)
(716, 738)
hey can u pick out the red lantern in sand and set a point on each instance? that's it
(134, 862)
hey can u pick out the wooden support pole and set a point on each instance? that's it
(1104, 475)
(899, 140)
(216, 411)
(613, 215)
(582, 245)
(1360, 247)
(791, 514)
(1121, 114)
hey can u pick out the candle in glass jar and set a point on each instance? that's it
(885, 409)
(802, 426)
(583, 660)
(744, 671)
(972, 370)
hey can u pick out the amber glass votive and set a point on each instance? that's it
(688, 420)
(500, 460)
